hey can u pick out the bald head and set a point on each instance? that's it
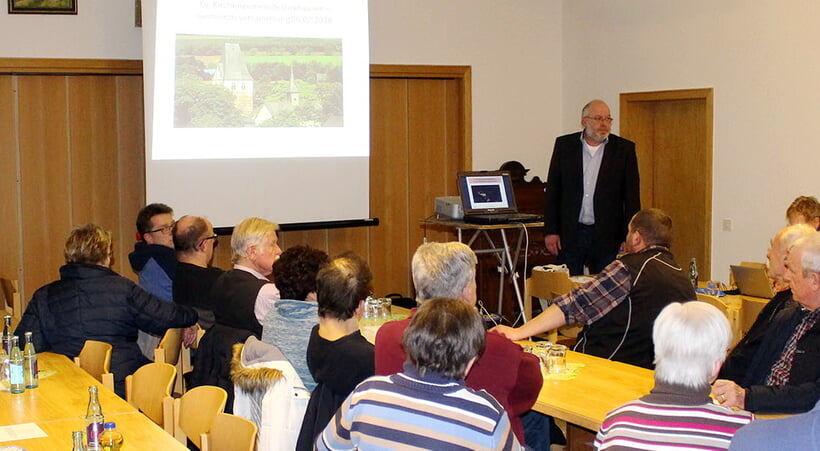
(193, 240)
(780, 245)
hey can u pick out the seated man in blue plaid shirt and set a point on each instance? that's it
(619, 306)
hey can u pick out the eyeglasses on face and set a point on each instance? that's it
(607, 119)
(212, 237)
(164, 228)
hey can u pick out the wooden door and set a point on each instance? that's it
(672, 131)
(420, 139)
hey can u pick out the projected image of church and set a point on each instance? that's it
(224, 82)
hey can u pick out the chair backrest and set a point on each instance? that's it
(149, 390)
(169, 347)
(195, 411)
(229, 433)
(730, 310)
(546, 285)
(95, 359)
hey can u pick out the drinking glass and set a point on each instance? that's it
(557, 356)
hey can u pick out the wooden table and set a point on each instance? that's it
(58, 407)
(600, 386)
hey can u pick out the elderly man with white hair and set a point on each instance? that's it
(690, 345)
(785, 377)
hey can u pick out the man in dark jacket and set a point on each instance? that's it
(592, 192)
(92, 302)
(784, 376)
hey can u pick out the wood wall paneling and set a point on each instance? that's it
(45, 182)
(78, 137)
(9, 215)
(130, 165)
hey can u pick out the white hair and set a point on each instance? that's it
(793, 233)
(689, 339)
(810, 258)
(442, 270)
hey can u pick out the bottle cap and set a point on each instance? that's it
(110, 425)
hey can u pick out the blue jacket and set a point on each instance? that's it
(288, 327)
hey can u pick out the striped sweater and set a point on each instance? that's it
(406, 411)
(671, 417)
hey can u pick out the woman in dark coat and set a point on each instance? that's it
(92, 302)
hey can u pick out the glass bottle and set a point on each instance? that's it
(693, 272)
(16, 380)
(77, 438)
(30, 369)
(6, 337)
(93, 419)
(111, 438)
(4, 367)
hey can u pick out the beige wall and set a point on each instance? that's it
(536, 61)
(759, 58)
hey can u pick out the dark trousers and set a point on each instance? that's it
(584, 250)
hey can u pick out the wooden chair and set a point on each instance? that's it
(95, 359)
(229, 433)
(545, 285)
(195, 412)
(149, 390)
(10, 300)
(170, 351)
(731, 311)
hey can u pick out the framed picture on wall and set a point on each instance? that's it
(42, 6)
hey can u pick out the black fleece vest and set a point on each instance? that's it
(234, 297)
(657, 280)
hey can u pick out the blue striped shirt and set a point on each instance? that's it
(405, 410)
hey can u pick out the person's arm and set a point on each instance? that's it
(583, 305)
(552, 195)
(782, 399)
(527, 385)
(265, 299)
(154, 315)
(31, 322)
(549, 319)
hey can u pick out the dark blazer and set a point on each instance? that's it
(617, 192)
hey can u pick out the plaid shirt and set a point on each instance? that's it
(594, 299)
(779, 374)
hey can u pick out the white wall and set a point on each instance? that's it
(514, 48)
(760, 58)
(535, 62)
(102, 29)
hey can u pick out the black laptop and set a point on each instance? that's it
(488, 198)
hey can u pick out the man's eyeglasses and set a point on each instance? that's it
(164, 229)
(212, 237)
(607, 119)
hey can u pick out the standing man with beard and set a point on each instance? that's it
(592, 191)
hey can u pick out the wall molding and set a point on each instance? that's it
(30, 66)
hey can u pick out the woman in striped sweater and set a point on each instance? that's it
(691, 340)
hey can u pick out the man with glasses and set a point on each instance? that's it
(154, 260)
(194, 241)
(592, 191)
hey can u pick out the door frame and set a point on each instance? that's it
(630, 103)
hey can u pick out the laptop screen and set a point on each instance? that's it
(486, 192)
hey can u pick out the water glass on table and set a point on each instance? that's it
(557, 357)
